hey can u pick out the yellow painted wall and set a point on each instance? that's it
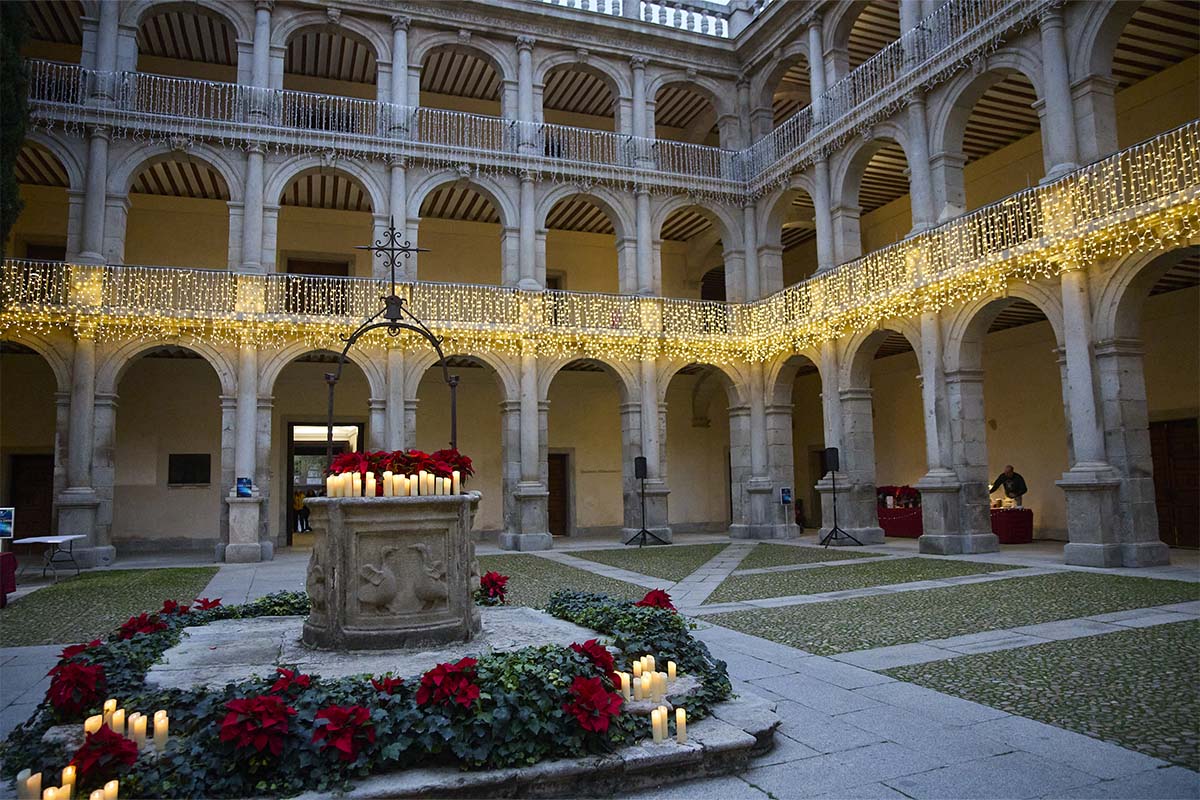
(697, 458)
(588, 261)
(166, 406)
(177, 232)
(26, 413)
(43, 219)
(585, 418)
(183, 68)
(1171, 336)
(899, 430)
(799, 262)
(324, 234)
(459, 252)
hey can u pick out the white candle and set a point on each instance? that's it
(33, 786)
(161, 726)
(356, 482)
(110, 790)
(637, 688)
(671, 671)
(22, 780)
(412, 485)
(118, 721)
(456, 482)
(681, 726)
(654, 725)
(371, 492)
(421, 482)
(650, 663)
(625, 685)
(387, 483)
(137, 729)
(110, 706)
(97, 794)
(637, 669)
(331, 486)
(93, 723)
(50, 794)
(68, 783)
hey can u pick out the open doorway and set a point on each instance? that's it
(306, 470)
(559, 486)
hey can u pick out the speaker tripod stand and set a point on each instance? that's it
(643, 534)
(836, 534)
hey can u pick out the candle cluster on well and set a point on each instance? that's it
(647, 683)
(659, 720)
(29, 787)
(135, 726)
(389, 484)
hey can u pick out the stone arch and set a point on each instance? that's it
(957, 98)
(371, 35)
(234, 13)
(731, 228)
(618, 83)
(63, 149)
(734, 381)
(507, 375)
(780, 374)
(718, 95)
(114, 364)
(773, 207)
(624, 375)
(861, 348)
(1092, 41)
(965, 329)
(762, 88)
(277, 360)
(839, 22)
(847, 173)
(281, 177)
(605, 199)
(1123, 293)
(495, 192)
(122, 174)
(500, 59)
(58, 362)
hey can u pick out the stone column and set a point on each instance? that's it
(252, 216)
(920, 182)
(643, 249)
(1057, 111)
(228, 447)
(104, 473)
(759, 518)
(822, 215)
(1127, 443)
(969, 457)
(398, 211)
(95, 194)
(743, 106)
(949, 191)
(782, 469)
(260, 63)
(376, 423)
(399, 88)
(264, 458)
(750, 245)
(1091, 483)
(739, 470)
(847, 233)
(62, 429)
(1095, 117)
(107, 31)
(638, 111)
(525, 112)
(530, 523)
(858, 462)
(77, 505)
(816, 66)
(652, 448)
(527, 235)
(910, 15)
(394, 436)
(245, 512)
(831, 416)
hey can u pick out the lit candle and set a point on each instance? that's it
(421, 482)
(330, 486)
(443, 486)
(650, 662)
(50, 794)
(97, 794)
(118, 721)
(637, 669)
(413, 488)
(456, 482)
(671, 671)
(93, 723)
(387, 483)
(110, 706)
(371, 485)
(625, 685)
(681, 726)
(137, 729)
(68, 783)
(356, 482)
(161, 726)
(110, 790)
(33, 786)
(654, 725)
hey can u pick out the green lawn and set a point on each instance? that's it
(767, 554)
(671, 562)
(531, 580)
(861, 623)
(94, 604)
(1134, 688)
(846, 576)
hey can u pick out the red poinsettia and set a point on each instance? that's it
(75, 687)
(592, 704)
(172, 607)
(656, 598)
(73, 650)
(103, 755)
(449, 683)
(388, 685)
(257, 722)
(289, 679)
(493, 585)
(346, 729)
(599, 656)
(404, 462)
(204, 604)
(143, 623)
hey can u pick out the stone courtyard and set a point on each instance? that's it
(893, 674)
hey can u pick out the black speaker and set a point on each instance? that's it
(639, 467)
(831, 459)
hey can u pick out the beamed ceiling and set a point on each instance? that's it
(328, 53)
(37, 166)
(192, 35)
(56, 21)
(181, 177)
(315, 188)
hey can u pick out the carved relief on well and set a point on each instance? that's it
(399, 574)
(315, 585)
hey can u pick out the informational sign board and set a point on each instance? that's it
(245, 487)
(785, 496)
(6, 523)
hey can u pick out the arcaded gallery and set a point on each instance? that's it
(801, 258)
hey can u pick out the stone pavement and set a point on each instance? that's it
(847, 731)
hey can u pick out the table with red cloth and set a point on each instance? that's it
(903, 522)
(8, 576)
(1013, 525)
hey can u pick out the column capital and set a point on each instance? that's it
(638, 62)
(812, 19)
(527, 176)
(100, 131)
(914, 97)
(525, 43)
(1051, 14)
(400, 22)
(264, 5)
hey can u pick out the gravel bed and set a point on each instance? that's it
(91, 605)
(1136, 688)
(767, 554)
(843, 626)
(843, 577)
(670, 562)
(531, 580)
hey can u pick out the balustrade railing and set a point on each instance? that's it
(1145, 196)
(704, 18)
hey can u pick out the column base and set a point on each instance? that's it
(1145, 554)
(77, 508)
(244, 545)
(864, 535)
(525, 542)
(1056, 172)
(89, 557)
(243, 553)
(1092, 554)
(663, 533)
(1092, 523)
(952, 544)
(779, 530)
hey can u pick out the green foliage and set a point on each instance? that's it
(13, 94)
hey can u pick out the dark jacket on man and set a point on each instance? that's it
(1014, 485)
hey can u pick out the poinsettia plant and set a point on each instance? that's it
(656, 598)
(204, 604)
(345, 729)
(75, 687)
(142, 623)
(173, 607)
(387, 684)
(592, 704)
(257, 723)
(492, 589)
(103, 755)
(598, 654)
(447, 684)
(404, 462)
(288, 680)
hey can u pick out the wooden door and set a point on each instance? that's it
(32, 494)
(1175, 450)
(559, 484)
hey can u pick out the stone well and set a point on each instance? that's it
(390, 572)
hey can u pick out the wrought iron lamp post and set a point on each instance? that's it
(395, 318)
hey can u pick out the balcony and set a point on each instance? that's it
(1144, 197)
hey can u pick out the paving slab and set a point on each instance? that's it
(729, 787)
(818, 694)
(844, 675)
(1012, 776)
(1064, 629)
(928, 703)
(748, 668)
(1071, 749)
(1150, 620)
(947, 744)
(897, 655)
(1006, 641)
(869, 791)
(1169, 783)
(820, 731)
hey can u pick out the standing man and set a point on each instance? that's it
(1013, 483)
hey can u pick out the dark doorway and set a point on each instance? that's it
(306, 465)
(1175, 450)
(32, 495)
(559, 484)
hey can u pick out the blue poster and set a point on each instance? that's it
(245, 487)
(6, 523)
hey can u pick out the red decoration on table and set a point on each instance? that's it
(1013, 525)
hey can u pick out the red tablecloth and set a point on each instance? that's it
(903, 522)
(8, 576)
(1013, 525)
